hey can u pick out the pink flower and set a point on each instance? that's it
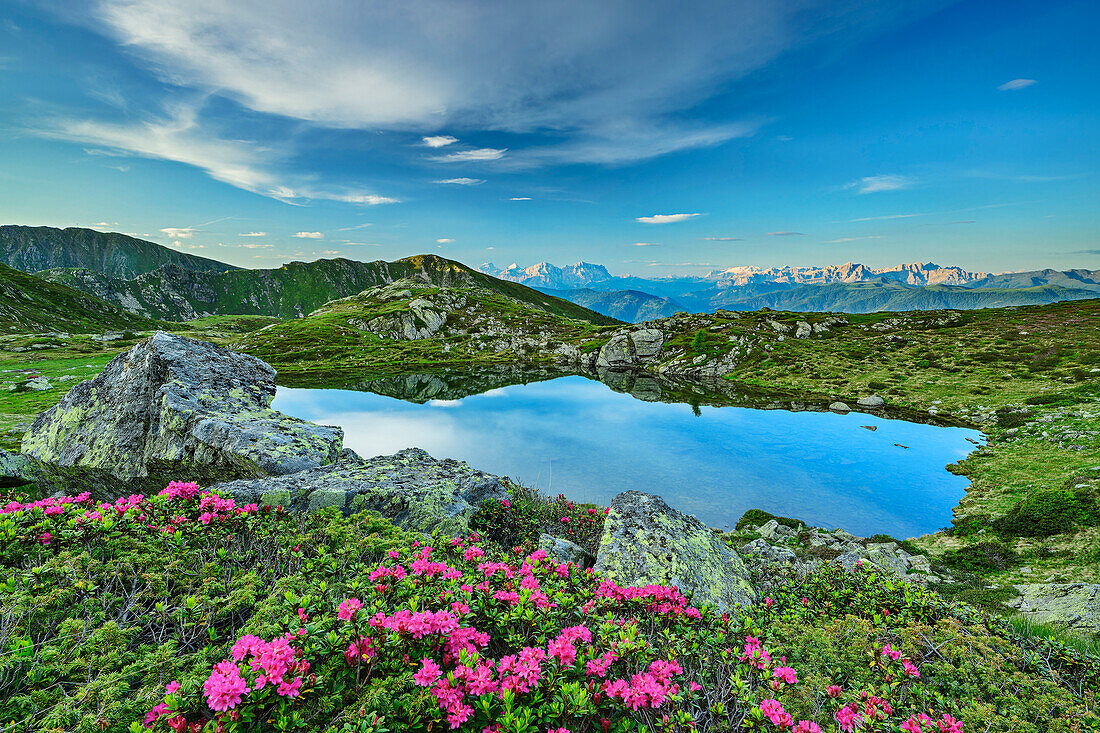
(428, 674)
(302, 615)
(949, 725)
(911, 726)
(225, 687)
(290, 689)
(806, 726)
(768, 602)
(894, 654)
(348, 609)
(786, 674)
(171, 687)
(776, 714)
(910, 668)
(849, 718)
(833, 690)
(45, 538)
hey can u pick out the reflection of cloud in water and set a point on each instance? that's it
(821, 467)
(383, 433)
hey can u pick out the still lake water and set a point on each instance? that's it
(576, 436)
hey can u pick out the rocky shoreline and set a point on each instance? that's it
(173, 408)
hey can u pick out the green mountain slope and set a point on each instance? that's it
(29, 304)
(411, 323)
(31, 249)
(633, 306)
(291, 291)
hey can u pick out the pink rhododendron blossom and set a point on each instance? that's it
(910, 668)
(225, 687)
(786, 674)
(348, 609)
(806, 726)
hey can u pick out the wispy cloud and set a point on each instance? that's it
(646, 244)
(883, 218)
(179, 232)
(723, 239)
(252, 234)
(462, 181)
(785, 234)
(444, 240)
(308, 235)
(179, 135)
(253, 245)
(520, 198)
(470, 156)
(852, 239)
(877, 184)
(438, 141)
(606, 67)
(1011, 86)
(665, 218)
(1086, 252)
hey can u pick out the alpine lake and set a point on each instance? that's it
(710, 450)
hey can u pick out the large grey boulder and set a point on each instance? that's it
(1072, 605)
(645, 541)
(176, 408)
(16, 469)
(871, 401)
(647, 344)
(626, 349)
(414, 490)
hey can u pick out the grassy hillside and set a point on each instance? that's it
(480, 326)
(41, 248)
(290, 291)
(29, 304)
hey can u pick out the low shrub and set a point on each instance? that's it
(981, 557)
(1049, 512)
(758, 517)
(518, 522)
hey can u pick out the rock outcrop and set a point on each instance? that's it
(176, 408)
(645, 541)
(565, 551)
(412, 489)
(631, 348)
(1072, 605)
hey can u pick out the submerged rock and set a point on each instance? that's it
(176, 408)
(412, 489)
(1072, 605)
(645, 541)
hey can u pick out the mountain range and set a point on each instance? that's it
(850, 288)
(152, 281)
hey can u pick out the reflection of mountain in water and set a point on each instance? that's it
(456, 384)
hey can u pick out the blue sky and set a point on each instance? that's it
(655, 138)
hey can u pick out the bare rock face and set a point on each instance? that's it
(1072, 605)
(645, 541)
(412, 489)
(176, 408)
(627, 349)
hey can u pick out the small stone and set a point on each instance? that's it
(871, 401)
(839, 407)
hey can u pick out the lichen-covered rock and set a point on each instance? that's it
(645, 541)
(768, 552)
(173, 407)
(414, 490)
(839, 407)
(565, 551)
(16, 469)
(1072, 605)
(871, 401)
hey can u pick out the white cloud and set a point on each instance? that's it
(665, 218)
(1015, 84)
(103, 225)
(723, 239)
(462, 181)
(252, 234)
(646, 244)
(188, 245)
(520, 198)
(181, 136)
(468, 156)
(329, 252)
(257, 246)
(785, 234)
(179, 232)
(444, 240)
(438, 141)
(884, 218)
(876, 184)
(309, 235)
(420, 64)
